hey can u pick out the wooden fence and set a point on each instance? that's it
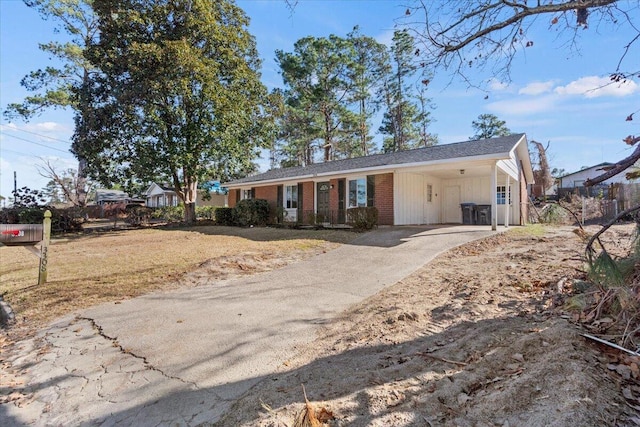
(603, 203)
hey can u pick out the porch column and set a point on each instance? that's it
(506, 203)
(494, 196)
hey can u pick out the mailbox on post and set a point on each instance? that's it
(21, 234)
(30, 235)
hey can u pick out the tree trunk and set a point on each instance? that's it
(187, 192)
(81, 185)
(363, 129)
(190, 212)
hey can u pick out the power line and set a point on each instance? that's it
(36, 143)
(36, 134)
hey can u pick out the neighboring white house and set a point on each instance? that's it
(159, 195)
(577, 179)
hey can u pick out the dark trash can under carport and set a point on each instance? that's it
(468, 213)
(483, 214)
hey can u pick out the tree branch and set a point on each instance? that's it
(619, 167)
(517, 17)
(589, 248)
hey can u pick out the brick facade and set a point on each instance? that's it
(383, 198)
(233, 196)
(308, 200)
(269, 193)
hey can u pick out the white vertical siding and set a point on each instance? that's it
(408, 206)
(411, 206)
(472, 190)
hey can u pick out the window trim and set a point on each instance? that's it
(501, 195)
(359, 203)
(287, 202)
(247, 193)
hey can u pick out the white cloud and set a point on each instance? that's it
(385, 38)
(519, 106)
(496, 85)
(49, 127)
(536, 88)
(594, 86)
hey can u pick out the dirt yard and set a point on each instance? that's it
(485, 335)
(481, 336)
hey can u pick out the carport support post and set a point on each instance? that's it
(44, 249)
(507, 201)
(494, 197)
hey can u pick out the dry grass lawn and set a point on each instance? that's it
(93, 268)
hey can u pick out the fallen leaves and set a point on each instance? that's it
(311, 417)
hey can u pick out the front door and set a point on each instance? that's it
(323, 202)
(452, 213)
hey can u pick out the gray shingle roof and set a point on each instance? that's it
(456, 150)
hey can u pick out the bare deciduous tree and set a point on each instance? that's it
(73, 187)
(464, 34)
(542, 174)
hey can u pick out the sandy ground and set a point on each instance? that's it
(481, 336)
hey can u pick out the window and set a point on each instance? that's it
(502, 194)
(358, 193)
(429, 193)
(578, 183)
(291, 197)
(247, 194)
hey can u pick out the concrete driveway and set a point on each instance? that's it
(184, 357)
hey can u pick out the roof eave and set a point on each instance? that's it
(389, 167)
(524, 156)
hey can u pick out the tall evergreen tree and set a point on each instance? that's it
(404, 123)
(316, 74)
(489, 126)
(179, 95)
(371, 62)
(63, 86)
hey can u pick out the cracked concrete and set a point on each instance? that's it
(147, 365)
(182, 358)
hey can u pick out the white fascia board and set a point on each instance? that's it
(523, 156)
(250, 184)
(509, 167)
(381, 168)
(399, 166)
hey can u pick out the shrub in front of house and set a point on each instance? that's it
(226, 216)
(252, 212)
(206, 212)
(277, 215)
(169, 213)
(365, 218)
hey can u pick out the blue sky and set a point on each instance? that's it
(553, 96)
